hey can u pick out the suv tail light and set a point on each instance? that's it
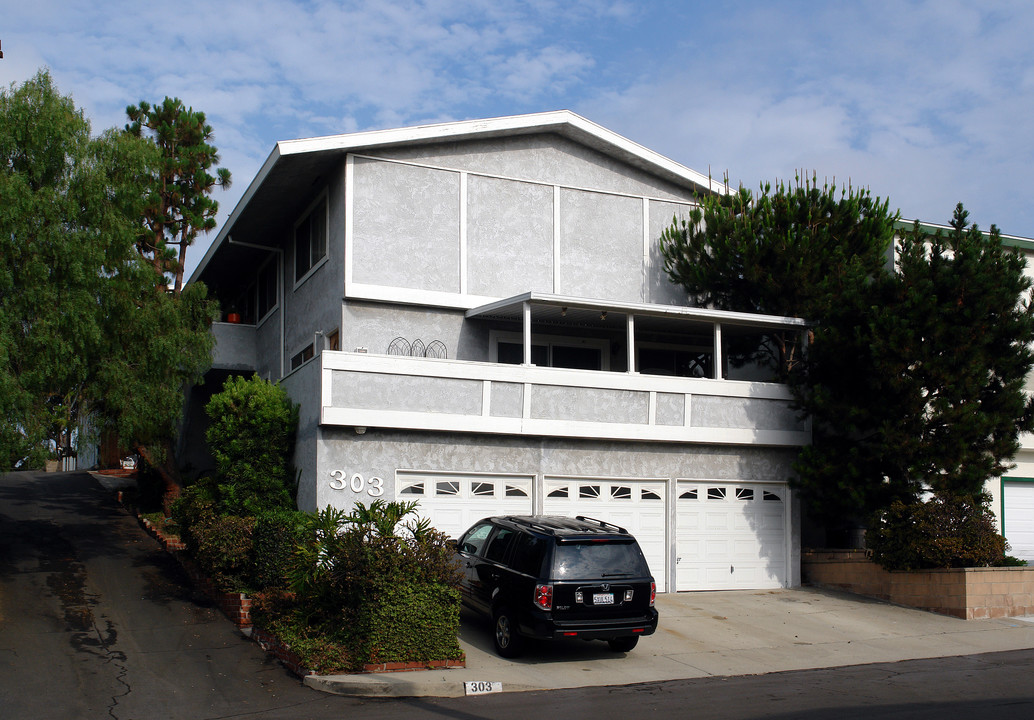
(544, 596)
(653, 593)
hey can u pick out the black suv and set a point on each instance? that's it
(556, 577)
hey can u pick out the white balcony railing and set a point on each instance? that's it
(384, 391)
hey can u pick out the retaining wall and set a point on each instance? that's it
(967, 593)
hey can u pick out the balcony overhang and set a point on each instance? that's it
(590, 312)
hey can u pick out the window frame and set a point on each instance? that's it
(313, 264)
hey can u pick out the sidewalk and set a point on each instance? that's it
(711, 633)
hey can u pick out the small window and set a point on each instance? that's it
(589, 491)
(482, 489)
(744, 494)
(688, 495)
(560, 492)
(413, 488)
(334, 341)
(648, 494)
(447, 487)
(266, 288)
(621, 492)
(514, 491)
(716, 493)
(301, 358)
(310, 240)
(771, 497)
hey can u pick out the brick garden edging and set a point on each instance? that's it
(237, 607)
(966, 593)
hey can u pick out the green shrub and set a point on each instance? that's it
(276, 535)
(384, 588)
(948, 532)
(251, 438)
(222, 549)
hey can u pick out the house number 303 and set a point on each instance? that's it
(357, 483)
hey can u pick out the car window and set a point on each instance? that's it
(496, 549)
(576, 560)
(528, 554)
(475, 538)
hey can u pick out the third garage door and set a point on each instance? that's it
(730, 535)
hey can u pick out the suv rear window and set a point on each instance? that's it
(595, 559)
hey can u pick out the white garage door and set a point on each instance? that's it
(636, 505)
(730, 536)
(1018, 523)
(455, 501)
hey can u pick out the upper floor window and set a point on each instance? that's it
(266, 286)
(547, 351)
(310, 239)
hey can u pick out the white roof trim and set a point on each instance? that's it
(727, 316)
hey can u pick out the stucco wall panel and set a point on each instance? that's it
(406, 226)
(373, 326)
(507, 399)
(726, 412)
(509, 237)
(589, 404)
(601, 240)
(659, 287)
(377, 391)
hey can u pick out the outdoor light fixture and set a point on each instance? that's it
(603, 315)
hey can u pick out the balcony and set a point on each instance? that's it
(234, 347)
(360, 390)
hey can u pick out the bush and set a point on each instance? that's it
(252, 438)
(383, 588)
(276, 535)
(950, 532)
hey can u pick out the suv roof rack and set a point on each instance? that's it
(602, 523)
(541, 524)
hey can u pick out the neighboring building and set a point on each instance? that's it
(475, 315)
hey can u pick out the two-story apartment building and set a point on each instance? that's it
(475, 315)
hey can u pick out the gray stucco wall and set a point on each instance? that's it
(558, 218)
(374, 325)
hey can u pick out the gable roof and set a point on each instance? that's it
(284, 181)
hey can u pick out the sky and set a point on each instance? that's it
(927, 103)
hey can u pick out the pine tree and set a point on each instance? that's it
(915, 379)
(179, 206)
(785, 252)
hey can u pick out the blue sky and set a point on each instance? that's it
(927, 103)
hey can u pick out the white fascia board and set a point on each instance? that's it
(1019, 241)
(225, 230)
(725, 316)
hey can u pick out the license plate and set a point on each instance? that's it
(603, 598)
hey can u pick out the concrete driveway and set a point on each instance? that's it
(712, 634)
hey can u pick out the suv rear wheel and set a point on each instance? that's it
(508, 641)
(623, 644)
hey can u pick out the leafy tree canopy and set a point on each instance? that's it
(68, 217)
(788, 251)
